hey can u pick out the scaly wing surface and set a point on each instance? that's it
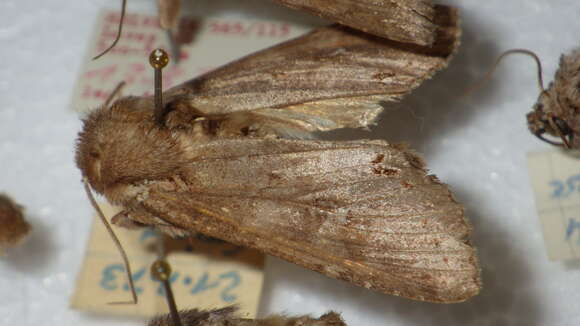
(362, 211)
(333, 77)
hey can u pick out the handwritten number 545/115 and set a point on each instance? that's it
(565, 188)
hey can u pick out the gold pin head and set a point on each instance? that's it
(158, 59)
(161, 270)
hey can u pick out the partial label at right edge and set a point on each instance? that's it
(555, 177)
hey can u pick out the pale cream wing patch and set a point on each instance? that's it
(294, 121)
(365, 212)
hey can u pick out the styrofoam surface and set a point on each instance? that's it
(477, 146)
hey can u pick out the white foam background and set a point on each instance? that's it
(478, 146)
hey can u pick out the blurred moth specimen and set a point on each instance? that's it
(226, 317)
(557, 110)
(228, 155)
(405, 21)
(13, 227)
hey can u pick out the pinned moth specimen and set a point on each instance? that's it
(228, 155)
(557, 110)
(227, 317)
(13, 226)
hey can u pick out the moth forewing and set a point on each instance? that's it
(408, 21)
(326, 68)
(364, 212)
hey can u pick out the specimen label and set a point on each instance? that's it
(555, 177)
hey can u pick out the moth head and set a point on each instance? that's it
(124, 144)
(544, 120)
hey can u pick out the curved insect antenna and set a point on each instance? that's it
(113, 94)
(119, 31)
(561, 131)
(116, 241)
(158, 59)
(490, 72)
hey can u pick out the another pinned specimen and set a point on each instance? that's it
(557, 110)
(227, 317)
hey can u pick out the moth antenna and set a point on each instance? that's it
(115, 240)
(490, 72)
(119, 31)
(113, 94)
(158, 59)
(161, 271)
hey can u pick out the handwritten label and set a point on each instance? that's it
(206, 273)
(205, 44)
(556, 181)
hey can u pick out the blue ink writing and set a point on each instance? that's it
(565, 188)
(573, 225)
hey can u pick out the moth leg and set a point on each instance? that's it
(179, 115)
(136, 218)
(122, 219)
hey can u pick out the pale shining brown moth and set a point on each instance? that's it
(227, 154)
(406, 21)
(13, 227)
(227, 317)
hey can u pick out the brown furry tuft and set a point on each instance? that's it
(123, 143)
(557, 110)
(226, 317)
(13, 226)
